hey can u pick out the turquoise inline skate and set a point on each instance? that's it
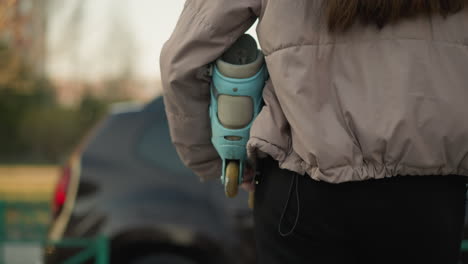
(238, 78)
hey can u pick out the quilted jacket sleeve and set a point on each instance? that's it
(206, 28)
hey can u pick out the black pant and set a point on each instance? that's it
(405, 219)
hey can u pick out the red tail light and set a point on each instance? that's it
(61, 189)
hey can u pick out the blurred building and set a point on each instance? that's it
(69, 92)
(23, 25)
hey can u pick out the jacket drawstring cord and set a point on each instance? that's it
(294, 181)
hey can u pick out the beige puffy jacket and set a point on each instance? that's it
(340, 107)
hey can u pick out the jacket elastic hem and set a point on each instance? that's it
(257, 147)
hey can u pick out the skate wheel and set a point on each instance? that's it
(251, 200)
(232, 179)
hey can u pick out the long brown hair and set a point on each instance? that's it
(342, 14)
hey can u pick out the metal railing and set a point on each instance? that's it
(25, 225)
(97, 249)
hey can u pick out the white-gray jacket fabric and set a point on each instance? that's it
(351, 106)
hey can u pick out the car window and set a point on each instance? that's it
(155, 146)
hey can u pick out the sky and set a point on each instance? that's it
(108, 28)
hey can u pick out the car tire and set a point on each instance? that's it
(162, 259)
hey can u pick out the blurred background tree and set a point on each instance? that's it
(62, 62)
(34, 126)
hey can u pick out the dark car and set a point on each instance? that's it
(127, 183)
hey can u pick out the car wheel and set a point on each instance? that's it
(163, 259)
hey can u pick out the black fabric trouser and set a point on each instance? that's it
(406, 219)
